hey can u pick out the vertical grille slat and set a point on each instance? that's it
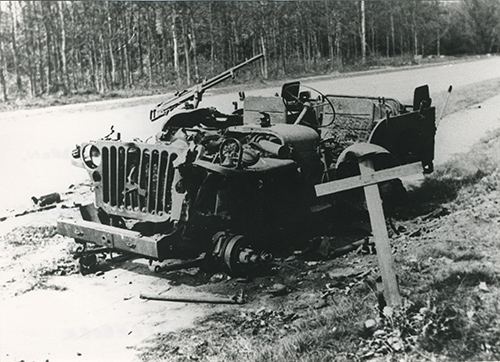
(140, 178)
(105, 176)
(160, 177)
(170, 179)
(162, 185)
(117, 176)
(148, 180)
(112, 174)
(126, 196)
(136, 179)
(166, 191)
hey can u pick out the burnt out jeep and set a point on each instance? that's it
(226, 190)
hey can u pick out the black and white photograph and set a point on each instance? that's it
(249, 181)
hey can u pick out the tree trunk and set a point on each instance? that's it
(438, 42)
(3, 65)
(374, 46)
(284, 56)
(28, 36)
(94, 66)
(415, 42)
(175, 46)
(123, 79)
(338, 38)
(128, 77)
(110, 47)
(128, 52)
(212, 40)
(3, 71)
(330, 34)
(393, 35)
(139, 44)
(264, 52)
(414, 29)
(103, 72)
(401, 44)
(363, 32)
(63, 47)
(74, 62)
(48, 68)
(192, 38)
(41, 68)
(150, 52)
(15, 54)
(186, 51)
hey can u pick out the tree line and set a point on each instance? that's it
(71, 47)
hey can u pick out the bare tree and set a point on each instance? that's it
(3, 65)
(15, 53)
(363, 32)
(62, 48)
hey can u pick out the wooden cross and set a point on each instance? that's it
(369, 179)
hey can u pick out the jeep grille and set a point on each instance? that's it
(136, 180)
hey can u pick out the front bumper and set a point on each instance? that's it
(112, 237)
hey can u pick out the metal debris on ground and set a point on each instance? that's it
(343, 279)
(236, 299)
(49, 199)
(278, 289)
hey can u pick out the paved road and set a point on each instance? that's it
(35, 146)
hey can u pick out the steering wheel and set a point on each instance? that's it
(231, 153)
(298, 104)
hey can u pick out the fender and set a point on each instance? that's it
(359, 151)
(347, 162)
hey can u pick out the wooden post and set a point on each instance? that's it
(369, 180)
(379, 230)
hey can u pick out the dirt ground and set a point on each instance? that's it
(447, 253)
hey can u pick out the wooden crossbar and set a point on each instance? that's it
(368, 178)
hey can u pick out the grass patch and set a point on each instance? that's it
(264, 335)
(453, 254)
(462, 326)
(464, 274)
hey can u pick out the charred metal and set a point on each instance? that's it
(226, 190)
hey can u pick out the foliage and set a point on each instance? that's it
(98, 46)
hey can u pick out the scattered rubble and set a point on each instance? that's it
(261, 319)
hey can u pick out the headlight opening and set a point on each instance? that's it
(91, 156)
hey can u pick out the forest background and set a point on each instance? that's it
(65, 49)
